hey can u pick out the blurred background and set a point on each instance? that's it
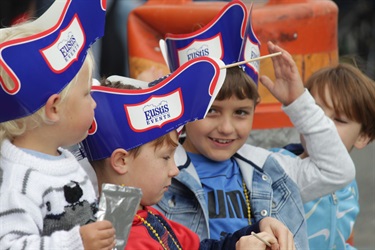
(356, 43)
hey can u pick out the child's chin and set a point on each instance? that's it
(220, 155)
(157, 199)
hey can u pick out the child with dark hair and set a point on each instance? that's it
(224, 183)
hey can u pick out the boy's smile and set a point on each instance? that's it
(224, 130)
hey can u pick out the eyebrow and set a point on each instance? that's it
(246, 107)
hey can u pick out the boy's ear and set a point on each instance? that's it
(118, 161)
(51, 109)
(361, 141)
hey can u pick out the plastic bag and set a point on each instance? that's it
(118, 204)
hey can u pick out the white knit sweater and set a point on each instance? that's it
(42, 202)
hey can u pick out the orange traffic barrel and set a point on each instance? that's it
(308, 29)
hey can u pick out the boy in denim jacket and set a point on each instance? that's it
(225, 183)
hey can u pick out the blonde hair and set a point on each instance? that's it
(14, 128)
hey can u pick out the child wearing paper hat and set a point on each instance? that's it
(224, 183)
(47, 200)
(133, 143)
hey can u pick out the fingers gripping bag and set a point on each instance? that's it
(118, 204)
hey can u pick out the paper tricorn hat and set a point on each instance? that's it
(44, 63)
(229, 36)
(128, 118)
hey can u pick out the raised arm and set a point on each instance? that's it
(329, 166)
(288, 85)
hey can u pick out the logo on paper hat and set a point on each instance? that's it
(229, 36)
(130, 118)
(44, 63)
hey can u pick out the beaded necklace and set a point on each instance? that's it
(147, 224)
(246, 193)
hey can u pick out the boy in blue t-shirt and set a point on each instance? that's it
(225, 183)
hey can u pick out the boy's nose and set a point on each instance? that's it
(93, 103)
(174, 170)
(225, 126)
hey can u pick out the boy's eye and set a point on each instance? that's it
(241, 112)
(212, 113)
(336, 119)
(340, 118)
(211, 110)
(166, 157)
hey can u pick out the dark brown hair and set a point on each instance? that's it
(239, 84)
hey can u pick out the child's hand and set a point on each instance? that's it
(98, 235)
(279, 230)
(250, 242)
(288, 85)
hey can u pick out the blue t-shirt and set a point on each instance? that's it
(222, 183)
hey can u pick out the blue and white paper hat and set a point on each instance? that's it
(44, 63)
(229, 36)
(128, 118)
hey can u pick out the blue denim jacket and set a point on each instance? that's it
(273, 193)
